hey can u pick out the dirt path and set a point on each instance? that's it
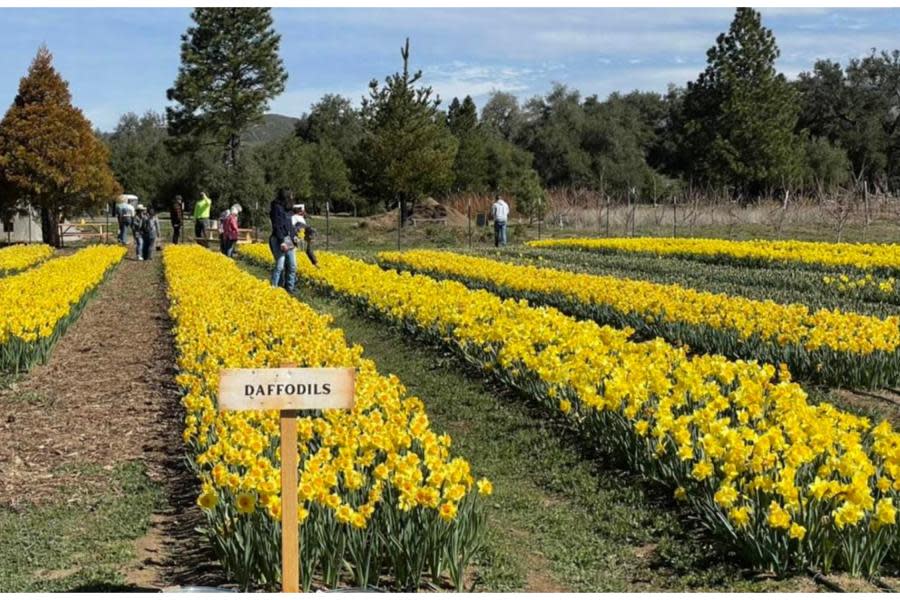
(106, 397)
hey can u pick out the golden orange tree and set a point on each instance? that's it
(50, 158)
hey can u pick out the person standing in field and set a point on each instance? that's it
(281, 241)
(222, 216)
(201, 214)
(150, 233)
(302, 231)
(125, 215)
(500, 216)
(137, 228)
(176, 215)
(230, 231)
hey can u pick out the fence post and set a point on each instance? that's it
(399, 222)
(866, 207)
(607, 214)
(599, 216)
(627, 210)
(327, 226)
(633, 216)
(674, 216)
(469, 217)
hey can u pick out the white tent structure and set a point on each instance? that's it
(21, 228)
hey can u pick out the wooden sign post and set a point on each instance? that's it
(288, 390)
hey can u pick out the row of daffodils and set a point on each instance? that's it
(37, 305)
(787, 482)
(21, 257)
(830, 346)
(382, 500)
(877, 257)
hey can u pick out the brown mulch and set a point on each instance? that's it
(879, 404)
(107, 396)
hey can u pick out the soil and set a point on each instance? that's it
(880, 404)
(427, 211)
(105, 397)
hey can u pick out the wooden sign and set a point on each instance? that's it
(288, 390)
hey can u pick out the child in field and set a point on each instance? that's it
(302, 231)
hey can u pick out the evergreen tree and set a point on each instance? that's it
(826, 165)
(507, 164)
(50, 157)
(334, 121)
(406, 150)
(330, 179)
(531, 199)
(470, 166)
(287, 163)
(230, 69)
(740, 114)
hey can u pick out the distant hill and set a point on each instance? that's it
(273, 127)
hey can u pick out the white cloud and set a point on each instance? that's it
(459, 79)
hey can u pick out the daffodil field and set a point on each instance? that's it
(879, 258)
(850, 290)
(828, 346)
(382, 499)
(790, 484)
(37, 305)
(21, 257)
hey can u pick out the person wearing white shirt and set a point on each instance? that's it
(303, 232)
(500, 215)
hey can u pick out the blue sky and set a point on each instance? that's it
(119, 60)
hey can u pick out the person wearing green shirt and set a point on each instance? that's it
(201, 214)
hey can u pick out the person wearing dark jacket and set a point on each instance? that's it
(149, 233)
(281, 241)
(176, 214)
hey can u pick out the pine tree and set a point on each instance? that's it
(406, 150)
(740, 114)
(230, 69)
(471, 164)
(330, 178)
(49, 156)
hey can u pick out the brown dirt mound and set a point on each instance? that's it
(426, 212)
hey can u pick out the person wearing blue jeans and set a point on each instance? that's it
(280, 242)
(500, 215)
(499, 233)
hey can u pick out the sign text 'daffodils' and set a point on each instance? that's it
(286, 389)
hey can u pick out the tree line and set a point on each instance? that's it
(740, 126)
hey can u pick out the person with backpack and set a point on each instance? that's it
(150, 233)
(137, 228)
